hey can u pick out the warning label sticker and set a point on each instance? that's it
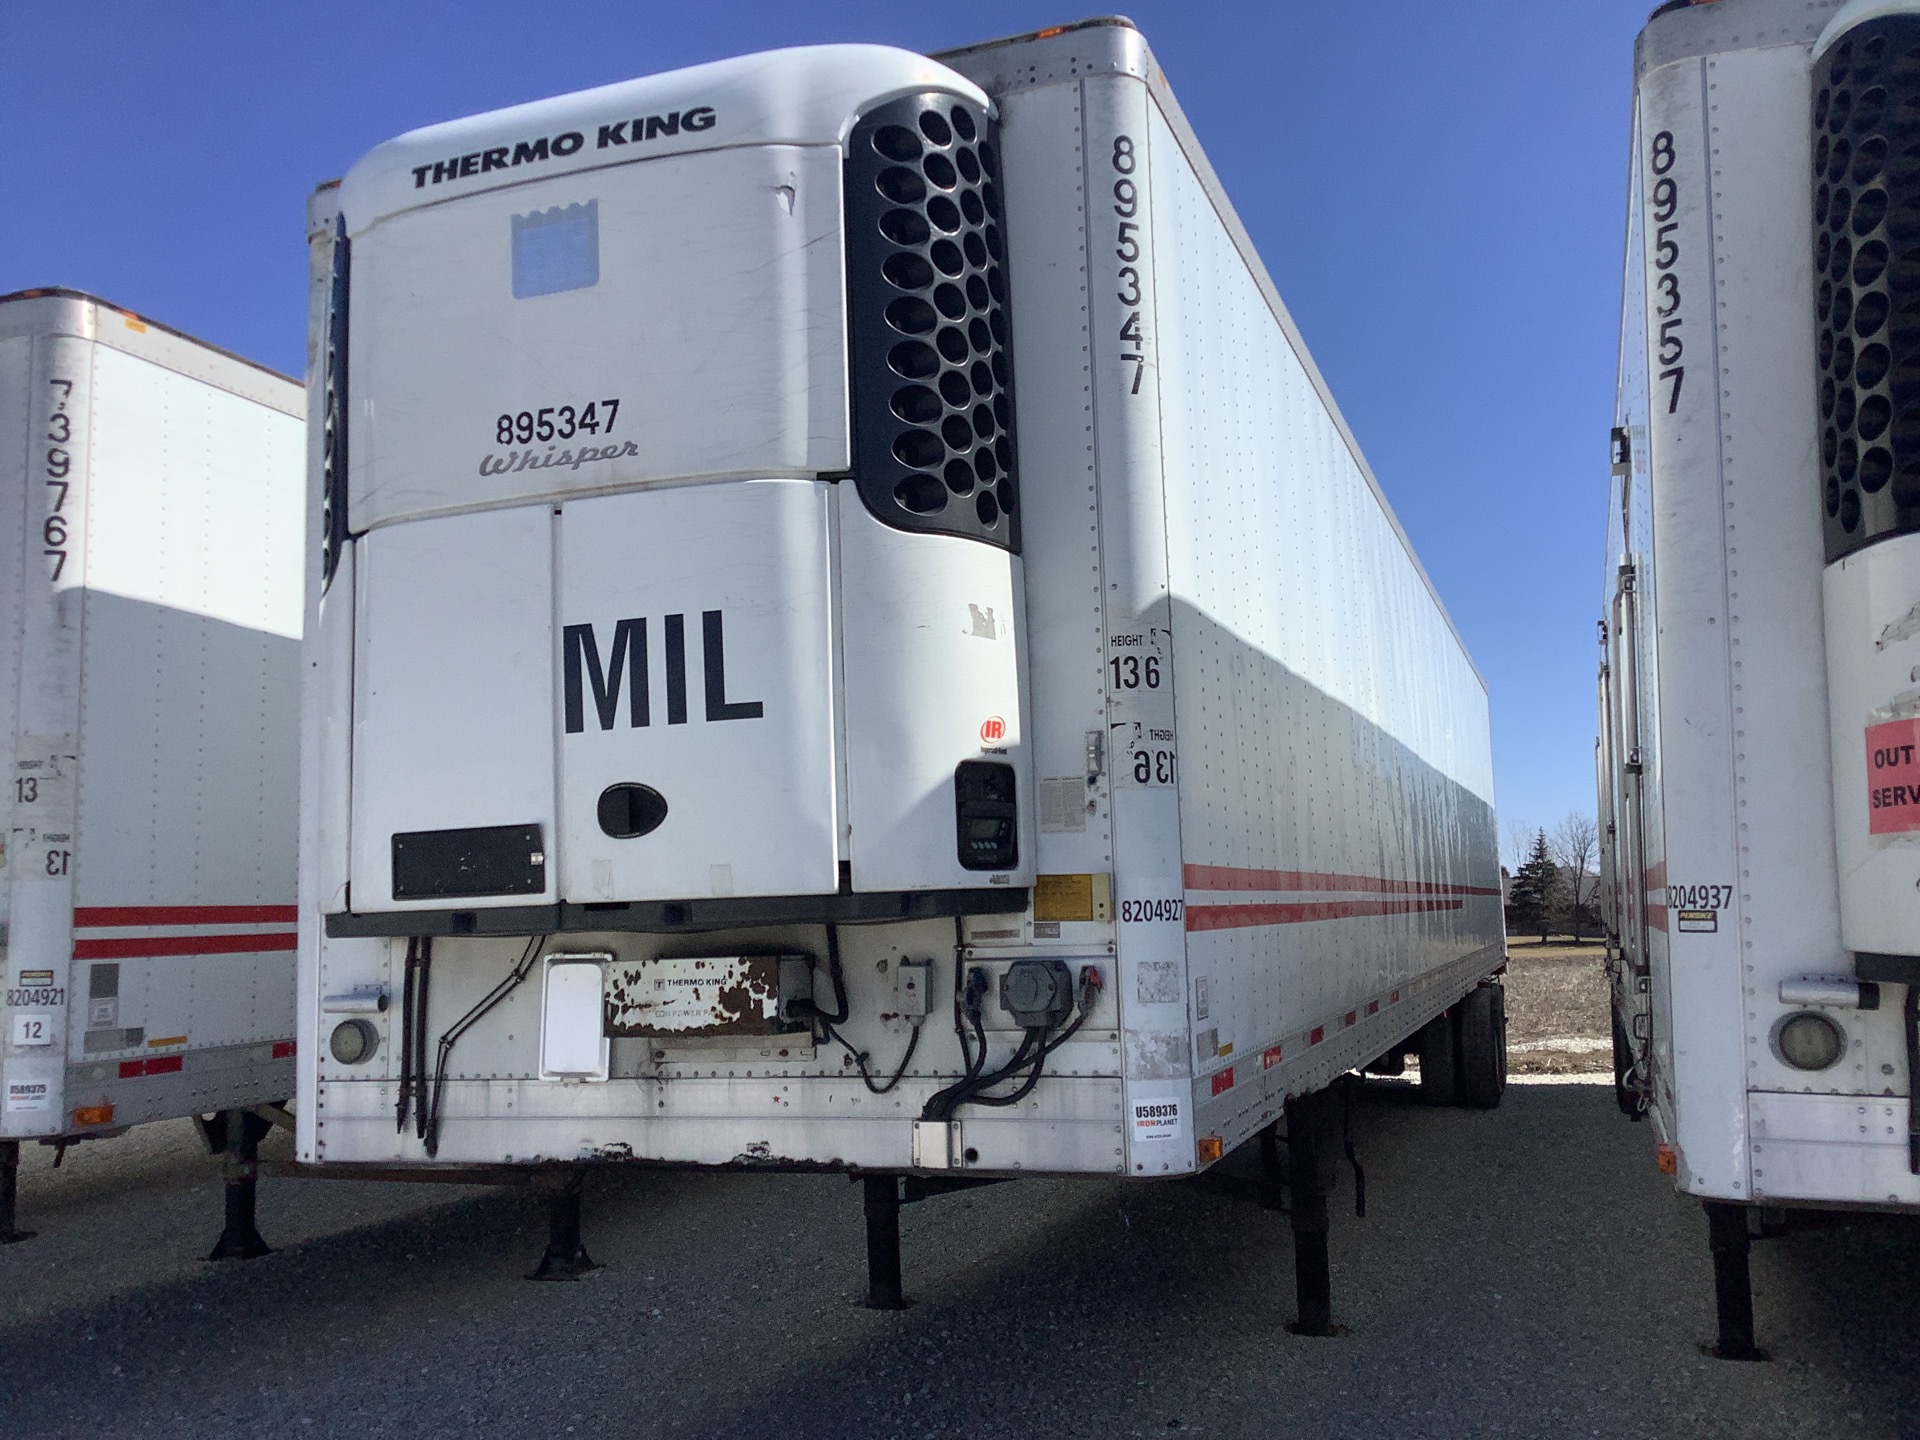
(1156, 1119)
(1893, 777)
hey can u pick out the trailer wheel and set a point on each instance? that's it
(1481, 1023)
(1630, 1104)
(1438, 1072)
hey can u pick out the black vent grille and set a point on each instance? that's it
(1866, 219)
(928, 335)
(333, 422)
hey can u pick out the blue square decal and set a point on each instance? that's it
(556, 250)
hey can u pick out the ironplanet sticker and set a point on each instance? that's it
(1893, 777)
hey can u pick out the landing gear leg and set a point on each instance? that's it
(1309, 1172)
(1727, 1238)
(10, 1231)
(566, 1257)
(882, 1203)
(241, 1133)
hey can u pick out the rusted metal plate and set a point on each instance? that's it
(705, 995)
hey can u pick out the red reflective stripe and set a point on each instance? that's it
(142, 945)
(1316, 1035)
(1223, 1080)
(1270, 1057)
(1233, 917)
(131, 1068)
(1230, 877)
(165, 1064)
(282, 1049)
(93, 916)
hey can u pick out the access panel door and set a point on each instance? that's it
(695, 673)
(453, 713)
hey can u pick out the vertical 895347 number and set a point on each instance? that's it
(1131, 251)
(1663, 205)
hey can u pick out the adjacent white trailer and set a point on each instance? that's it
(848, 632)
(1757, 699)
(149, 628)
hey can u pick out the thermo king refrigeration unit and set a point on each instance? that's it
(149, 648)
(847, 632)
(1759, 792)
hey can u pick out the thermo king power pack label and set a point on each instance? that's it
(1893, 777)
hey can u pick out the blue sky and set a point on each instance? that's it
(1437, 189)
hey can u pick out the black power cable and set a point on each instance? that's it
(430, 1099)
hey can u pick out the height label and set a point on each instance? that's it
(1140, 712)
(1893, 777)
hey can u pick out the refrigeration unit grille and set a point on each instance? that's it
(1866, 213)
(927, 303)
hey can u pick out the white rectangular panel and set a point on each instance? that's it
(573, 1043)
(455, 619)
(695, 302)
(695, 630)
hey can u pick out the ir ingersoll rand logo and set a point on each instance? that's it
(624, 673)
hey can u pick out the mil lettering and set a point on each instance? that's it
(568, 142)
(583, 669)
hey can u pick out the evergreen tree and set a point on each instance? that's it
(1530, 899)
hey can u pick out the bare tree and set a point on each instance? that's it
(1519, 844)
(1576, 850)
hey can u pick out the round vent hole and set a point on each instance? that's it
(939, 171)
(1876, 413)
(976, 251)
(911, 315)
(956, 431)
(1869, 262)
(896, 142)
(986, 507)
(947, 256)
(1871, 368)
(901, 185)
(934, 126)
(922, 494)
(959, 477)
(1869, 315)
(912, 360)
(950, 301)
(963, 125)
(969, 165)
(1869, 210)
(904, 227)
(971, 207)
(918, 449)
(1875, 466)
(908, 271)
(983, 422)
(953, 344)
(944, 213)
(916, 404)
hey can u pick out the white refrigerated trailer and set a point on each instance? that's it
(848, 632)
(150, 487)
(1762, 617)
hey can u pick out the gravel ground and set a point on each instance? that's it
(1522, 1272)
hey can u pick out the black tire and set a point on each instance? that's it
(1480, 1021)
(1438, 1070)
(1623, 1096)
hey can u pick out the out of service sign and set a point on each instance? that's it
(1893, 777)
